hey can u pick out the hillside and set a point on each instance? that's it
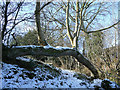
(47, 76)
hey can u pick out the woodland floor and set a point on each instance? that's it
(47, 76)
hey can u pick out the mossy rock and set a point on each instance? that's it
(106, 84)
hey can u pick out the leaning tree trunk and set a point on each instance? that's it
(48, 51)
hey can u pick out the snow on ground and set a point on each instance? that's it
(16, 77)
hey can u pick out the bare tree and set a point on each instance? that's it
(86, 17)
(11, 17)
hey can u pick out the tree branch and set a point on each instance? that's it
(43, 5)
(94, 17)
(101, 29)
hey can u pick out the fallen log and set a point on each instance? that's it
(17, 51)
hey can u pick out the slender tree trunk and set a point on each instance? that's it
(6, 19)
(75, 38)
(41, 39)
(67, 23)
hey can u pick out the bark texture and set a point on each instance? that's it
(41, 39)
(38, 50)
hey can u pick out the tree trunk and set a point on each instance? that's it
(75, 38)
(51, 51)
(41, 39)
(5, 19)
(84, 47)
(67, 24)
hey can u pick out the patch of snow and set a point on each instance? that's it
(24, 59)
(26, 46)
(46, 47)
(60, 48)
(16, 77)
(57, 47)
(107, 79)
(96, 82)
(113, 84)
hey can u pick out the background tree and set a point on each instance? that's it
(11, 17)
(30, 38)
